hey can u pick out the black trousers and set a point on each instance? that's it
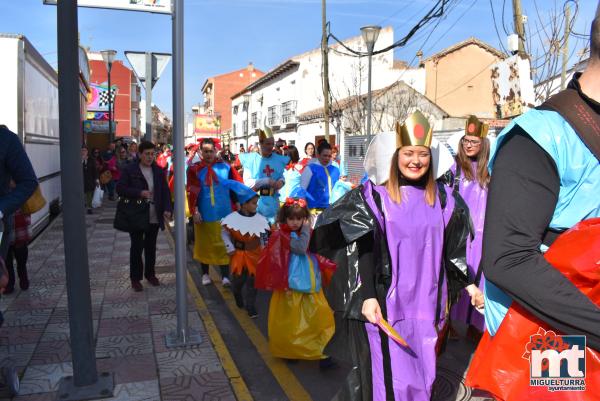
(20, 255)
(237, 283)
(143, 241)
(224, 270)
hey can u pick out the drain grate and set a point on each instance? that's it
(449, 386)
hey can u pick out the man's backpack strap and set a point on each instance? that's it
(582, 118)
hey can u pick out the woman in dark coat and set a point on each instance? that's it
(146, 180)
(90, 178)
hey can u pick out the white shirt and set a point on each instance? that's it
(149, 176)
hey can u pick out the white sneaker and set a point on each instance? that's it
(206, 279)
(226, 282)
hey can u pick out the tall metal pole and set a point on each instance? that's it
(149, 78)
(325, 56)
(565, 49)
(85, 376)
(110, 114)
(519, 28)
(183, 336)
(370, 50)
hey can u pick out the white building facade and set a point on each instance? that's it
(295, 87)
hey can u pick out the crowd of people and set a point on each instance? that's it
(380, 274)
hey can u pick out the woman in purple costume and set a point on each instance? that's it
(392, 268)
(472, 178)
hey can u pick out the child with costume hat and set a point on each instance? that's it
(244, 233)
(300, 320)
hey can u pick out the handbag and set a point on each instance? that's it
(35, 202)
(105, 177)
(132, 215)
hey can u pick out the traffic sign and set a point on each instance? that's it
(152, 6)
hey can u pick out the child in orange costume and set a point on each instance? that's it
(244, 233)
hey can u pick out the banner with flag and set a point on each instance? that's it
(98, 97)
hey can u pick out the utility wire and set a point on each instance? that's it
(500, 41)
(436, 11)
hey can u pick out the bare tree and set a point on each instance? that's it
(546, 41)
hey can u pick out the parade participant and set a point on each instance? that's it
(300, 321)
(244, 233)
(292, 173)
(264, 173)
(309, 151)
(162, 160)
(279, 146)
(318, 179)
(210, 201)
(545, 179)
(472, 178)
(388, 241)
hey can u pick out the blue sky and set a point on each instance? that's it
(224, 35)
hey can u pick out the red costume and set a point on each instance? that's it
(501, 364)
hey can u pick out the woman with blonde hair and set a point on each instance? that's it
(390, 290)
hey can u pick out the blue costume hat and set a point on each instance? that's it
(244, 193)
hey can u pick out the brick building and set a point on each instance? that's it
(217, 92)
(125, 108)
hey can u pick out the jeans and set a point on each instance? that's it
(110, 187)
(143, 241)
(238, 281)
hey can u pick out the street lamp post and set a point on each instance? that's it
(370, 34)
(109, 56)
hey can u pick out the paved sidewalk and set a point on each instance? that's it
(129, 327)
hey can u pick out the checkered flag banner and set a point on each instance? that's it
(103, 97)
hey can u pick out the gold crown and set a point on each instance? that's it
(264, 133)
(476, 127)
(415, 131)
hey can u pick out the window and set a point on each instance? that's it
(273, 115)
(235, 109)
(288, 112)
(245, 127)
(254, 120)
(234, 130)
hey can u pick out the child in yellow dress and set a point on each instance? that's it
(300, 320)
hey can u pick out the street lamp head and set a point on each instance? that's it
(108, 56)
(370, 33)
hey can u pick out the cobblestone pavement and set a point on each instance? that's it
(129, 327)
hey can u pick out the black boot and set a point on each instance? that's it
(21, 254)
(10, 268)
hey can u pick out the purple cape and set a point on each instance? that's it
(414, 302)
(476, 198)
